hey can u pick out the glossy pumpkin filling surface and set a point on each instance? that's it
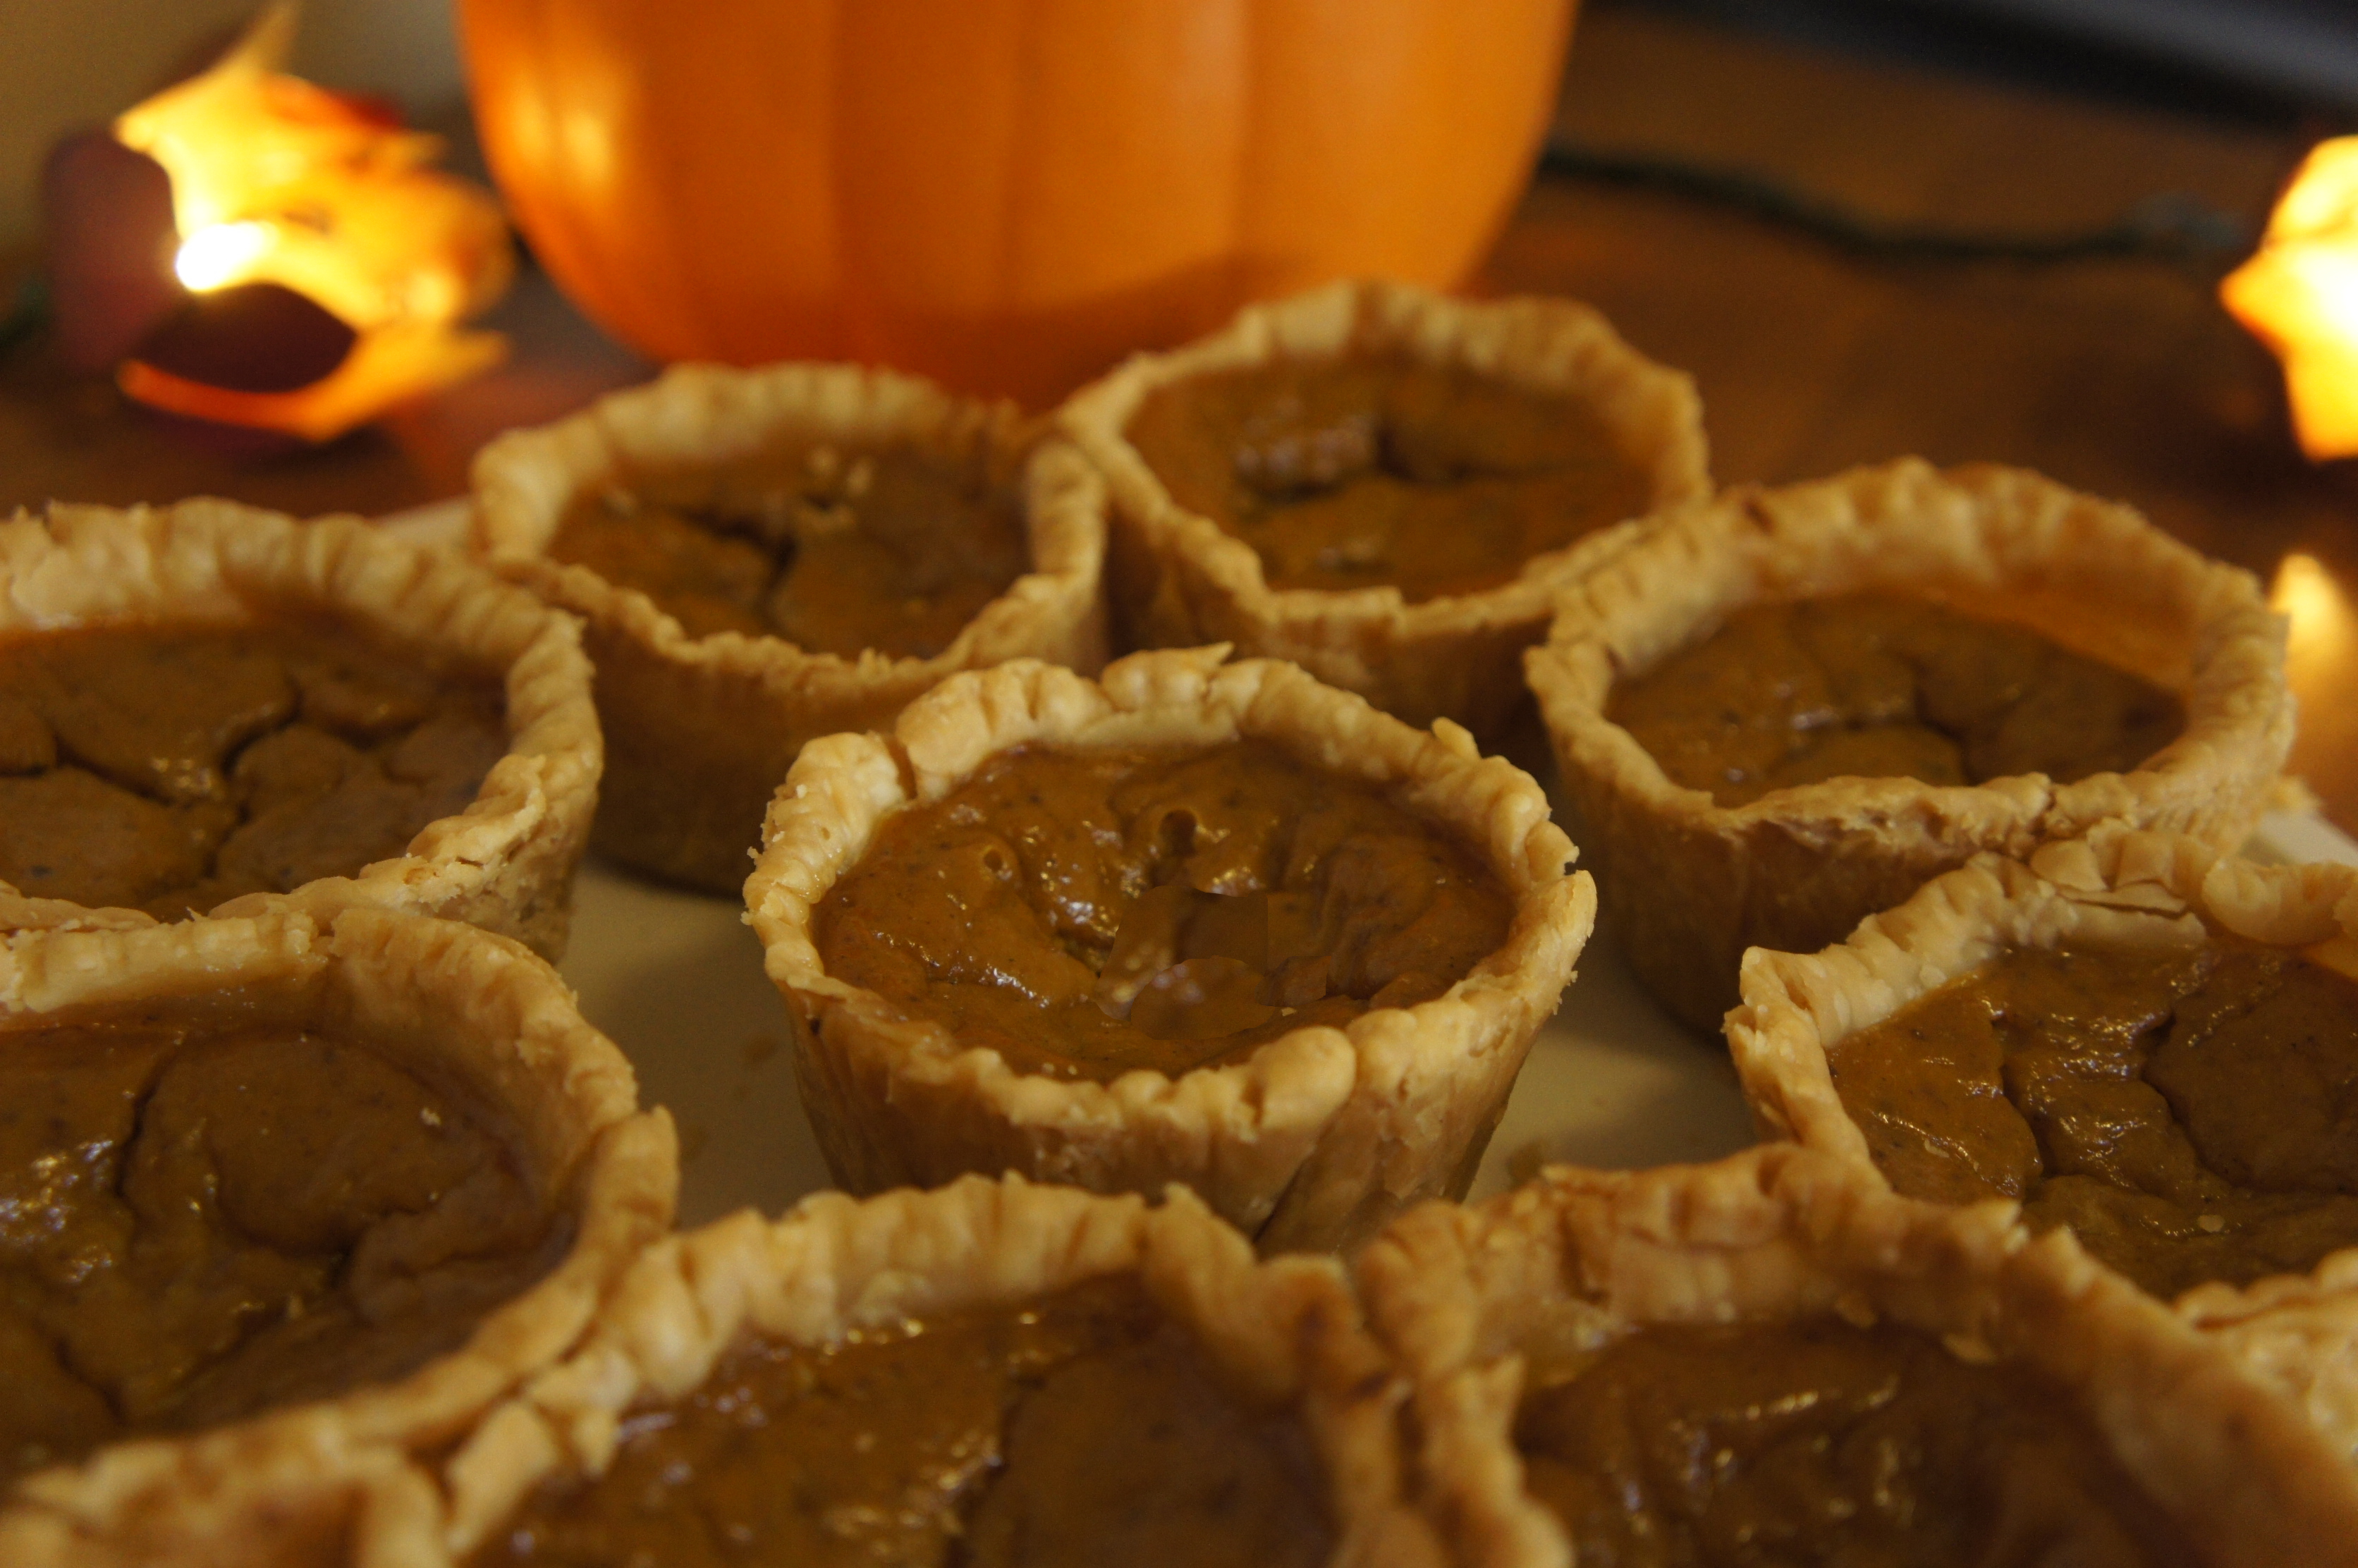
(2189, 1114)
(1086, 913)
(1081, 1428)
(1368, 472)
(202, 1220)
(172, 769)
(1819, 1441)
(1875, 686)
(836, 552)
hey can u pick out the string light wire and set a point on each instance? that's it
(2169, 227)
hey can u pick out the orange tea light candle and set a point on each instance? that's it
(2299, 296)
(277, 181)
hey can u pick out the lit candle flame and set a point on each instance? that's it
(274, 180)
(2299, 296)
(2323, 625)
(221, 255)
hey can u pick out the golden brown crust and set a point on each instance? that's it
(478, 1011)
(1466, 1296)
(1179, 579)
(294, 1492)
(1286, 1331)
(2297, 1333)
(1313, 1141)
(1797, 869)
(506, 862)
(702, 729)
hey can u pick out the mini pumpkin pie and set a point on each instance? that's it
(1770, 1359)
(209, 709)
(764, 556)
(2141, 1041)
(277, 1190)
(1382, 485)
(1201, 923)
(988, 1373)
(1882, 674)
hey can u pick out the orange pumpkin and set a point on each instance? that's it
(1005, 194)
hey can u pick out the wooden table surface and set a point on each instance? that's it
(2123, 378)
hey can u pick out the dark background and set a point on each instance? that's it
(2263, 61)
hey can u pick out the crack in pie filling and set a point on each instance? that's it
(836, 551)
(1873, 685)
(212, 711)
(1085, 914)
(2187, 1114)
(762, 557)
(200, 1219)
(2142, 1041)
(1382, 485)
(1079, 1427)
(1772, 1359)
(281, 1198)
(1785, 709)
(987, 1373)
(1434, 480)
(1819, 1441)
(1195, 921)
(171, 769)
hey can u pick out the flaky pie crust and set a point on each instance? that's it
(1689, 885)
(1312, 1141)
(1177, 578)
(1468, 1297)
(506, 862)
(2298, 1332)
(702, 729)
(1287, 1331)
(475, 1012)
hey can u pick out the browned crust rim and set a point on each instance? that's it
(506, 862)
(728, 712)
(471, 1006)
(1464, 1295)
(1181, 579)
(524, 480)
(1287, 1330)
(2298, 1332)
(1313, 1140)
(1796, 868)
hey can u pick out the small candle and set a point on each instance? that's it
(2299, 296)
(276, 182)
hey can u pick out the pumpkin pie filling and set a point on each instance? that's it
(1364, 472)
(1815, 1441)
(1089, 912)
(1081, 1427)
(894, 550)
(203, 1218)
(172, 769)
(2189, 1114)
(1876, 687)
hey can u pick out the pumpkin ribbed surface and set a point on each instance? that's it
(1004, 194)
